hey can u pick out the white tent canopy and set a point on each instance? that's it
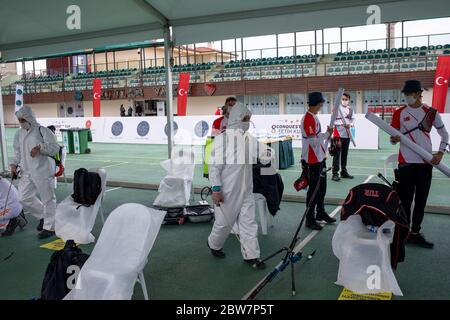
(37, 28)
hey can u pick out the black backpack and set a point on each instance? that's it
(87, 186)
(54, 286)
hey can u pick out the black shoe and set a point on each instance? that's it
(314, 225)
(44, 234)
(216, 253)
(335, 177)
(256, 263)
(40, 226)
(323, 216)
(419, 239)
(19, 221)
(346, 175)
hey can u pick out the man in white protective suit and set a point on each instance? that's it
(231, 176)
(34, 147)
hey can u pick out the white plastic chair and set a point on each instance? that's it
(265, 218)
(392, 159)
(120, 255)
(175, 188)
(75, 222)
(364, 257)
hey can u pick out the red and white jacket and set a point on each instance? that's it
(314, 142)
(406, 119)
(339, 129)
(219, 125)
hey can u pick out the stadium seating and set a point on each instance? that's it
(352, 62)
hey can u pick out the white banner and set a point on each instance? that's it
(19, 97)
(194, 129)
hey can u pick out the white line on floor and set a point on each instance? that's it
(305, 241)
(109, 190)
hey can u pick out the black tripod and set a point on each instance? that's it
(291, 256)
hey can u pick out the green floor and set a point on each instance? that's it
(180, 266)
(140, 163)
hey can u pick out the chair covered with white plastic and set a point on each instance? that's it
(120, 255)
(265, 218)
(175, 188)
(364, 257)
(74, 221)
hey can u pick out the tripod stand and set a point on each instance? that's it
(291, 257)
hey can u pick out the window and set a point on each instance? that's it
(295, 103)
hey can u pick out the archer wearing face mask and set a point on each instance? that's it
(342, 131)
(415, 121)
(231, 175)
(34, 145)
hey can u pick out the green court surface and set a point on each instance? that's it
(141, 164)
(180, 265)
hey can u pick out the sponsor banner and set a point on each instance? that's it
(19, 97)
(194, 129)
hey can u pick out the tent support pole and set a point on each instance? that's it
(3, 134)
(169, 88)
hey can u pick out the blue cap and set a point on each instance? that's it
(412, 86)
(314, 98)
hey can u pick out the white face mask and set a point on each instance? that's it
(410, 100)
(25, 125)
(345, 103)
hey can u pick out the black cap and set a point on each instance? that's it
(314, 98)
(412, 86)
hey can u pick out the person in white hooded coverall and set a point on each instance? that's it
(34, 145)
(231, 176)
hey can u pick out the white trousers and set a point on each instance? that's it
(43, 208)
(245, 225)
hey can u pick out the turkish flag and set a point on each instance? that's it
(96, 94)
(218, 111)
(441, 83)
(183, 91)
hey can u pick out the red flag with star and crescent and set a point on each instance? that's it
(96, 95)
(183, 91)
(441, 83)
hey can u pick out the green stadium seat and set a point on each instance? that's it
(422, 53)
(372, 51)
(359, 52)
(399, 55)
(446, 51)
(423, 48)
(394, 50)
(379, 51)
(407, 54)
(370, 57)
(339, 54)
(401, 49)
